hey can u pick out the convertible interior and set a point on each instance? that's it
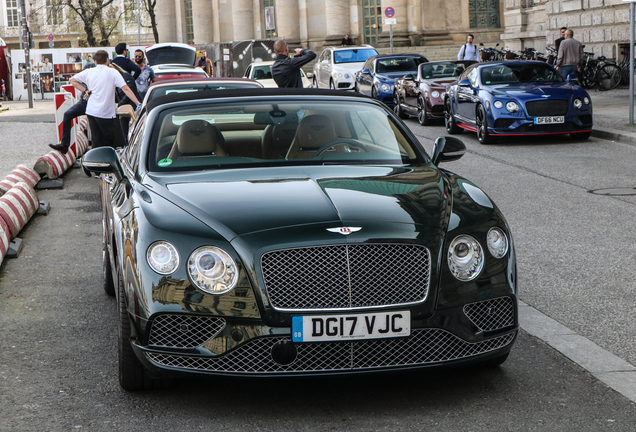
(269, 133)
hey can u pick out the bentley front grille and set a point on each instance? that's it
(551, 107)
(346, 276)
(492, 314)
(184, 331)
(424, 346)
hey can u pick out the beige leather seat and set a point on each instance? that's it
(197, 138)
(314, 131)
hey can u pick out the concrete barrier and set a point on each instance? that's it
(21, 173)
(17, 206)
(54, 164)
(5, 239)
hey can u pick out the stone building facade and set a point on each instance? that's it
(316, 23)
(602, 25)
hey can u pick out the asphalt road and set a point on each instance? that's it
(58, 331)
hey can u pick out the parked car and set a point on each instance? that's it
(262, 72)
(516, 98)
(344, 249)
(336, 66)
(422, 94)
(378, 75)
(173, 61)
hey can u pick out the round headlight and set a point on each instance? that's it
(385, 88)
(212, 270)
(498, 104)
(339, 75)
(497, 243)
(435, 94)
(465, 258)
(162, 257)
(586, 100)
(512, 107)
(347, 76)
(578, 103)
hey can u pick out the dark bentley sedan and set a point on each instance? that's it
(289, 232)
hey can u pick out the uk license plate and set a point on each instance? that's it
(549, 120)
(320, 328)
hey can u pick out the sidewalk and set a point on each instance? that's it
(611, 114)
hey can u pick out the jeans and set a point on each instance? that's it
(567, 70)
(73, 112)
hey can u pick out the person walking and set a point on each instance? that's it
(468, 51)
(286, 70)
(146, 77)
(100, 84)
(206, 64)
(124, 62)
(571, 56)
(557, 42)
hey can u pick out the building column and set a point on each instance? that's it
(243, 19)
(166, 20)
(414, 21)
(400, 29)
(288, 20)
(202, 21)
(337, 14)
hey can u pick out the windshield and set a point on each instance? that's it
(187, 88)
(400, 64)
(442, 70)
(171, 55)
(263, 72)
(211, 136)
(524, 73)
(353, 55)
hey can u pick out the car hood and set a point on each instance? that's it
(535, 90)
(439, 82)
(350, 67)
(393, 76)
(275, 198)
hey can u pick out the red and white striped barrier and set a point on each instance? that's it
(54, 164)
(81, 142)
(5, 239)
(17, 206)
(63, 101)
(21, 173)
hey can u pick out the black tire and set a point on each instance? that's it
(132, 374)
(481, 121)
(586, 78)
(422, 115)
(609, 77)
(109, 284)
(397, 109)
(581, 135)
(449, 120)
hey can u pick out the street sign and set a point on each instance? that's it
(390, 21)
(389, 12)
(51, 44)
(51, 37)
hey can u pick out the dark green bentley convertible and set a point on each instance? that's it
(296, 232)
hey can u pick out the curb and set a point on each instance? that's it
(623, 137)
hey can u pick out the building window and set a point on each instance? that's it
(372, 21)
(270, 19)
(484, 14)
(54, 12)
(188, 22)
(13, 20)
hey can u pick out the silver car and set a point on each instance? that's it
(336, 66)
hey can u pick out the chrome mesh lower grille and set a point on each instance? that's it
(424, 346)
(492, 314)
(346, 276)
(184, 331)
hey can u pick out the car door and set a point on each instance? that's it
(248, 72)
(410, 85)
(468, 94)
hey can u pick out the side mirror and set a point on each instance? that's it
(409, 77)
(447, 149)
(325, 62)
(310, 75)
(365, 72)
(464, 83)
(103, 160)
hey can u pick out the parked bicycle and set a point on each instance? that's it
(624, 65)
(602, 72)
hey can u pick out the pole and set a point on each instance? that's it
(631, 62)
(390, 36)
(138, 23)
(27, 51)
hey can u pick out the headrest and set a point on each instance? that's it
(199, 137)
(315, 131)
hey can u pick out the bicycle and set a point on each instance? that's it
(624, 65)
(602, 72)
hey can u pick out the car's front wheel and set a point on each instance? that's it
(397, 108)
(481, 121)
(422, 116)
(449, 120)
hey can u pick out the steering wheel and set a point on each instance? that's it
(341, 145)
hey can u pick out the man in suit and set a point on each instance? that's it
(124, 62)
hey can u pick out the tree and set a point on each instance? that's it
(150, 5)
(91, 12)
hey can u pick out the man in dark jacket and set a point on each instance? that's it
(286, 70)
(124, 62)
(557, 42)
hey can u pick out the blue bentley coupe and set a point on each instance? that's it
(378, 75)
(515, 98)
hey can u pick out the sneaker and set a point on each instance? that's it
(59, 147)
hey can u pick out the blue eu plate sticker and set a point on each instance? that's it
(297, 329)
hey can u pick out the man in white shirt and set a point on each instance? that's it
(468, 51)
(101, 82)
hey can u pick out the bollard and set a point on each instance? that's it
(5, 239)
(54, 164)
(17, 206)
(21, 173)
